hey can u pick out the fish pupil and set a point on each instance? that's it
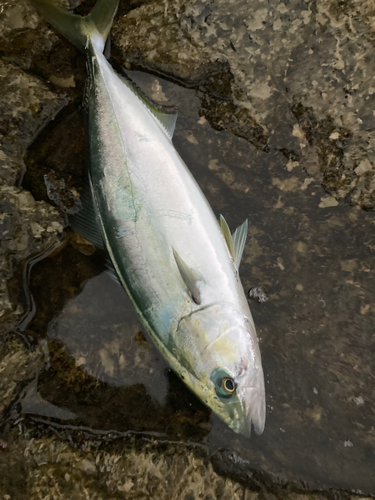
(229, 385)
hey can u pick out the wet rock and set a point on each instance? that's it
(27, 104)
(25, 39)
(56, 169)
(82, 245)
(114, 356)
(30, 228)
(27, 226)
(67, 200)
(301, 75)
(151, 34)
(18, 366)
(16, 17)
(53, 469)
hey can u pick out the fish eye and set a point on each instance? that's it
(228, 385)
(225, 386)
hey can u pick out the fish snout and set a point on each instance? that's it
(253, 403)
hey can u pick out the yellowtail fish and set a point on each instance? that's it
(178, 265)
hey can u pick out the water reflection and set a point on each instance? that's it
(101, 330)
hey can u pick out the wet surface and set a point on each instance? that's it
(90, 372)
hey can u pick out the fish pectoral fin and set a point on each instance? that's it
(85, 222)
(189, 276)
(236, 241)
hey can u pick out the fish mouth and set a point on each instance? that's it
(251, 410)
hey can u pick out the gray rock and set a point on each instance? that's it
(309, 64)
(27, 227)
(17, 366)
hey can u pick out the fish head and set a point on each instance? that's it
(218, 347)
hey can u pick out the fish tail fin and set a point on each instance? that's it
(78, 29)
(102, 16)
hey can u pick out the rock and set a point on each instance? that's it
(309, 65)
(53, 469)
(27, 105)
(28, 227)
(18, 366)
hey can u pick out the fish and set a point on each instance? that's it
(176, 261)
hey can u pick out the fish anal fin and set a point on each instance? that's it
(189, 276)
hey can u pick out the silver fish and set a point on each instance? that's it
(177, 264)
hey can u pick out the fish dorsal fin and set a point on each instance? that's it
(166, 116)
(85, 222)
(236, 241)
(189, 276)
